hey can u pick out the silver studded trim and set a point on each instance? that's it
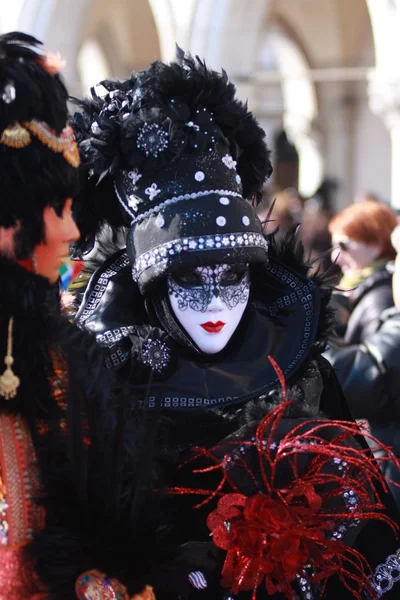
(128, 205)
(116, 358)
(386, 575)
(304, 587)
(112, 336)
(100, 287)
(352, 502)
(194, 244)
(229, 162)
(197, 580)
(169, 201)
(9, 93)
(302, 291)
(156, 355)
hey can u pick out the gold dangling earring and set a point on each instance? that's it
(9, 382)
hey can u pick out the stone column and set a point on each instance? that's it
(384, 100)
(59, 25)
(336, 119)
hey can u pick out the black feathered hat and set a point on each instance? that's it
(38, 152)
(184, 159)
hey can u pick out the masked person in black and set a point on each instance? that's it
(209, 319)
(67, 513)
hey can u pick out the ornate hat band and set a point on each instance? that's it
(159, 256)
(18, 135)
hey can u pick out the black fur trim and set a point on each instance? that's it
(100, 508)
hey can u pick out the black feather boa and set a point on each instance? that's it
(97, 496)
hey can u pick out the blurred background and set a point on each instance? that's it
(322, 76)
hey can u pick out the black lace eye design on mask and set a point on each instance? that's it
(195, 288)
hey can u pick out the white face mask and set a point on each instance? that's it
(209, 303)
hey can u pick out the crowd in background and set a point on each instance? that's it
(357, 250)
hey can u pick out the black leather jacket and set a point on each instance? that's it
(370, 377)
(369, 372)
(369, 300)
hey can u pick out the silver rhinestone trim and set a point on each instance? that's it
(192, 244)
(386, 575)
(156, 355)
(199, 176)
(304, 587)
(112, 336)
(125, 204)
(352, 502)
(173, 200)
(100, 287)
(116, 358)
(229, 162)
(198, 580)
(220, 221)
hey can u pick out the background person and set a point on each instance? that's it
(370, 375)
(66, 502)
(190, 312)
(362, 249)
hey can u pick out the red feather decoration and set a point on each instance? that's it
(272, 536)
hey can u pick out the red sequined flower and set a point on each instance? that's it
(266, 537)
(314, 482)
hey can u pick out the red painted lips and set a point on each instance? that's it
(213, 327)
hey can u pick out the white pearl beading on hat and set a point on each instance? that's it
(229, 162)
(152, 191)
(156, 209)
(194, 244)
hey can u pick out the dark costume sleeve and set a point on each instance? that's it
(101, 512)
(365, 318)
(368, 373)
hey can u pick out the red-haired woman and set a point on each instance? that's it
(362, 248)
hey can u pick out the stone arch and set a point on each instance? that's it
(384, 91)
(130, 39)
(300, 105)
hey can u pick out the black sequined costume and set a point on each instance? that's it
(184, 161)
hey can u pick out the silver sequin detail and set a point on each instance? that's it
(100, 287)
(134, 176)
(246, 221)
(160, 221)
(220, 221)
(191, 124)
(9, 94)
(192, 244)
(198, 580)
(229, 162)
(305, 587)
(238, 179)
(386, 575)
(152, 191)
(174, 200)
(225, 201)
(156, 354)
(95, 127)
(112, 336)
(152, 139)
(133, 202)
(199, 176)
